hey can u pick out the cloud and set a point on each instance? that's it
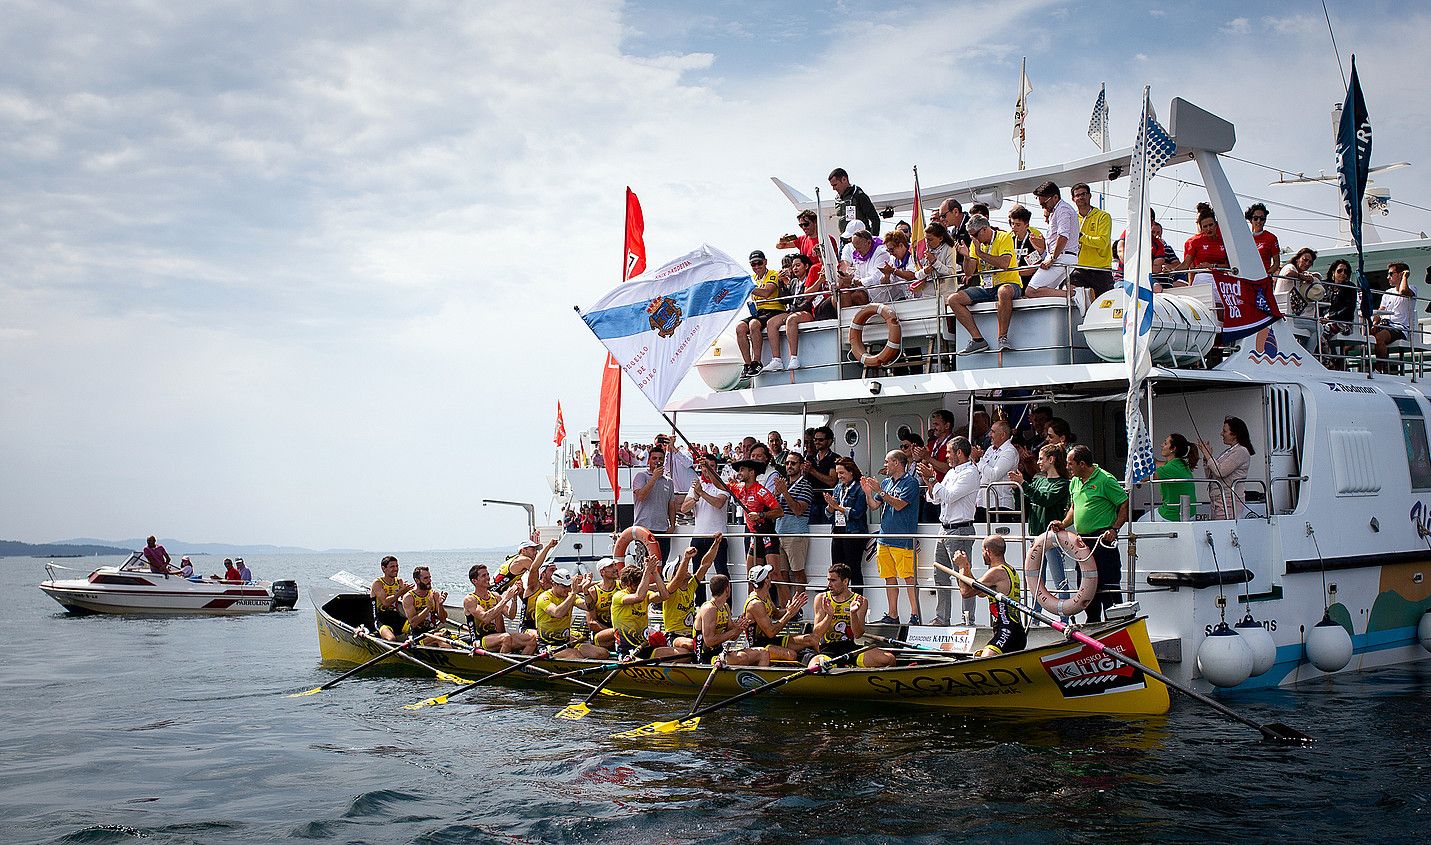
(1238, 26)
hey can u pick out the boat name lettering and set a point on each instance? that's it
(1269, 624)
(987, 682)
(649, 674)
(1342, 387)
(1420, 518)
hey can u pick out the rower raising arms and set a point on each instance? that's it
(553, 618)
(629, 609)
(765, 626)
(487, 613)
(423, 609)
(678, 613)
(537, 579)
(1009, 633)
(840, 622)
(714, 629)
(598, 604)
(514, 567)
(387, 592)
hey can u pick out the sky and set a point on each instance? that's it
(303, 274)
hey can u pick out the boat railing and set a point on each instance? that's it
(1294, 491)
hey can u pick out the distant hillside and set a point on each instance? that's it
(184, 547)
(15, 548)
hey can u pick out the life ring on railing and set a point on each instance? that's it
(891, 349)
(638, 534)
(1034, 584)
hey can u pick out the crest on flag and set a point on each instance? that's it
(665, 315)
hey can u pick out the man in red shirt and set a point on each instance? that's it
(761, 510)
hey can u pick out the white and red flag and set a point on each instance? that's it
(608, 419)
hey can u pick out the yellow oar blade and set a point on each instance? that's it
(441, 699)
(657, 728)
(616, 694)
(452, 679)
(306, 692)
(573, 712)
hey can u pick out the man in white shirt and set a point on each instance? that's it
(1059, 243)
(956, 496)
(709, 503)
(995, 464)
(860, 264)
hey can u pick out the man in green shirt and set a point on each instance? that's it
(1098, 508)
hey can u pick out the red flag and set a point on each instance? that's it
(560, 436)
(608, 420)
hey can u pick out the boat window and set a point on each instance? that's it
(1413, 430)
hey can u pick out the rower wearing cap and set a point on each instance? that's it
(840, 622)
(678, 611)
(598, 603)
(186, 567)
(387, 592)
(537, 578)
(630, 606)
(487, 613)
(552, 610)
(765, 626)
(515, 566)
(423, 608)
(714, 629)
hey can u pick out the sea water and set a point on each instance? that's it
(181, 730)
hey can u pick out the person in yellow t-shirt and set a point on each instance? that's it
(1095, 245)
(630, 609)
(678, 611)
(989, 252)
(770, 314)
(552, 613)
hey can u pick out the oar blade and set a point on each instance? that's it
(452, 679)
(313, 691)
(615, 694)
(431, 702)
(1278, 732)
(658, 728)
(573, 712)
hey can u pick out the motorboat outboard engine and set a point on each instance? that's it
(285, 595)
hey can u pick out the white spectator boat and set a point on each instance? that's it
(131, 588)
(1335, 531)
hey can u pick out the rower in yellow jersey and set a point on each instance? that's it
(630, 606)
(387, 592)
(714, 630)
(552, 613)
(840, 622)
(487, 615)
(422, 606)
(678, 611)
(766, 626)
(598, 603)
(1009, 633)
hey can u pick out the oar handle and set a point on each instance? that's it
(365, 664)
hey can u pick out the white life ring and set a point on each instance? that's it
(637, 534)
(891, 349)
(1071, 544)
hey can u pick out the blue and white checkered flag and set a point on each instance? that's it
(1098, 124)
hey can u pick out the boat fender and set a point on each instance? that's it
(637, 534)
(285, 595)
(1329, 646)
(1259, 639)
(1423, 631)
(1071, 544)
(892, 348)
(1224, 659)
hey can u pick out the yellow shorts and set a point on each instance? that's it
(895, 563)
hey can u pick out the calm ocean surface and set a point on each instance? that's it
(178, 730)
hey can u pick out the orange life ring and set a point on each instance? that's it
(891, 349)
(638, 534)
(1071, 544)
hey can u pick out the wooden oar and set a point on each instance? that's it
(514, 666)
(693, 717)
(355, 670)
(576, 710)
(1272, 730)
(438, 673)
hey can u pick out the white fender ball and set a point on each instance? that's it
(1329, 646)
(1423, 631)
(1259, 639)
(1224, 659)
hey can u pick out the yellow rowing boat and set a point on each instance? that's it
(1053, 675)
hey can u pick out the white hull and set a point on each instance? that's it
(132, 590)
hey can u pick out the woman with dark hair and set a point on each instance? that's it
(1059, 433)
(1047, 498)
(1204, 250)
(1341, 310)
(1299, 269)
(937, 266)
(849, 514)
(1267, 246)
(1179, 460)
(812, 302)
(1230, 467)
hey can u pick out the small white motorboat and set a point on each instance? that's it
(131, 588)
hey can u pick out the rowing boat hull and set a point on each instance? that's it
(1063, 677)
